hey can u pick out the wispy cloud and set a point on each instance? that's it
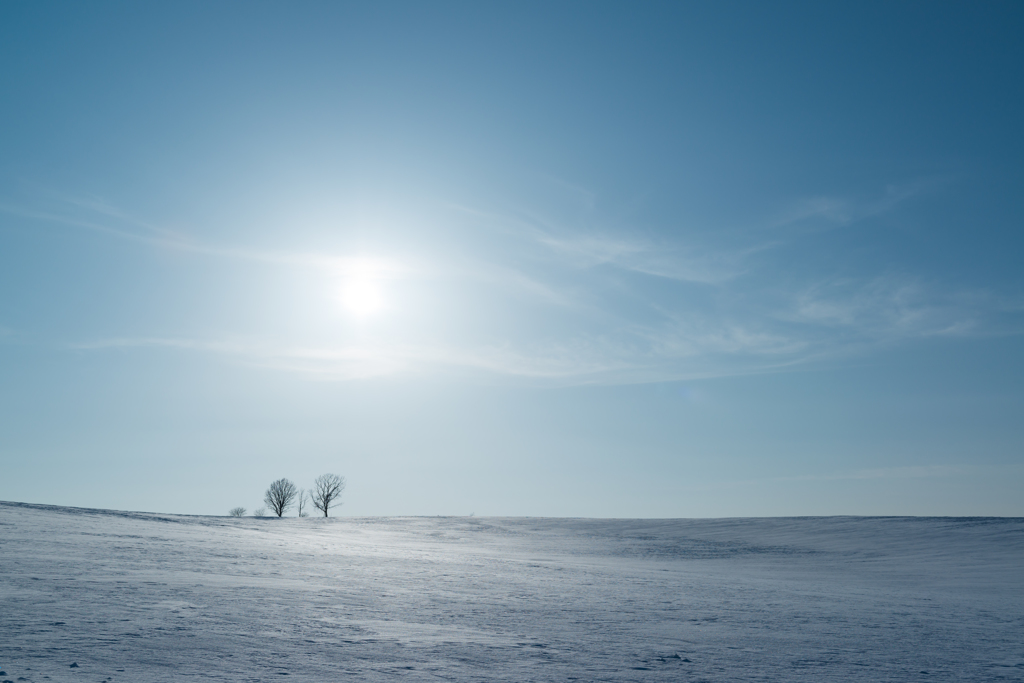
(665, 261)
(147, 234)
(892, 308)
(347, 362)
(830, 212)
(622, 249)
(684, 348)
(142, 232)
(553, 304)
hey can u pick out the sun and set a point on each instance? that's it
(361, 288)
(361, 296)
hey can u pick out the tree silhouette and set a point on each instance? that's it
(280, 496)
(326, 491)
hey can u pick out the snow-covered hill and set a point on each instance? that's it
(150, 597)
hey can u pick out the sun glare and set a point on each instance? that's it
(362, 296)
(361, 292)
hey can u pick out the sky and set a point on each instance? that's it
(545, 259)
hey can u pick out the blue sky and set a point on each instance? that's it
(589, 259)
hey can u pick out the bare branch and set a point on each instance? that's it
(280, 496)
(237, 512)
(326, 491)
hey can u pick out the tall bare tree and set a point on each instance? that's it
(326, 491)
(280, 496)
(303, 499)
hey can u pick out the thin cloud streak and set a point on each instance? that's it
(826, 213)
(359, 362)
(667, 334)
(342, 266)
(683, 350)
(626, 252)
(686, 348)
(890, 308)
(180, 242)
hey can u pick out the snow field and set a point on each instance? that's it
(147, 597)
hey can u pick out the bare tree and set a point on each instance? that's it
(259, 512)
(280, 496)
(303, 499)
(326, 491)
(237, 512)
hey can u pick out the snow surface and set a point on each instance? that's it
(151, 597)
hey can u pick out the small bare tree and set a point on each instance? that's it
(280, 496)
(237, 512)
(303, 499)
(259, 512)
(326, 491)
